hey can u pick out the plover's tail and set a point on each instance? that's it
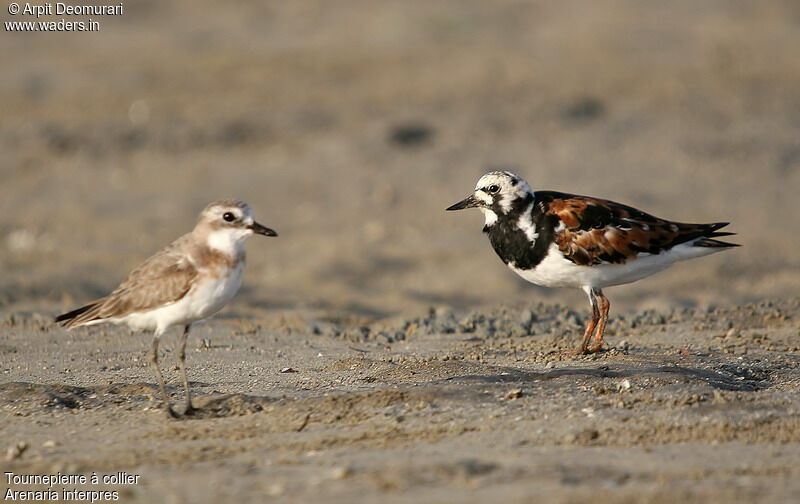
(81, 316)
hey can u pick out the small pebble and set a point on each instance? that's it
(15, 451)
(338, 473)
(276, 489)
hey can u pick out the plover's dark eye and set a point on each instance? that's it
(493, 188)
(229, 217)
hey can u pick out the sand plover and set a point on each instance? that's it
(564, 240)
(189, 280)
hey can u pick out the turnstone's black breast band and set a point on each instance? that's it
(509, 239)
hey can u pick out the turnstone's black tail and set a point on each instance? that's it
(708, 239)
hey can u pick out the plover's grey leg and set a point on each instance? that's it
(154, 363)
(605, 306)
(182, 361)
(592, 324)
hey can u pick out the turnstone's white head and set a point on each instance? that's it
(225, 224)
(497, 193)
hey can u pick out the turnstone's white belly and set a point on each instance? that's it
(556, 271)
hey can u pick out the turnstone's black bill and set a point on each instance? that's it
(564, 240)
(189, 280)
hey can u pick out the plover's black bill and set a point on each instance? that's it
(469, 202)
(263, 230)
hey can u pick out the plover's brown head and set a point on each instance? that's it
(229, 221)
(497, 193)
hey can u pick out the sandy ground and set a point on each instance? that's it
(691, 406)
(425, 370)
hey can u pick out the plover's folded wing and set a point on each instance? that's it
(596, 231)
(162, 279)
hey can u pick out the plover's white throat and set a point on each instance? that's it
(189, 280)
(564, 240)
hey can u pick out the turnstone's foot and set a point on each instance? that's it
(595, 348)
(581, 351)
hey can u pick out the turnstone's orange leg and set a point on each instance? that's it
(605, 306)
(592, 324)
(161, 385)
(189, 409)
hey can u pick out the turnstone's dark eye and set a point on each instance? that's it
(229, 217)
(492, 189)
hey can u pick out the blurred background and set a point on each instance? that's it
(349, 126)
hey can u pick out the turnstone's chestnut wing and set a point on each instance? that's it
(594, 231)
(162, 279)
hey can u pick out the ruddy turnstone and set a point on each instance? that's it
(564, 240)
(190, 279)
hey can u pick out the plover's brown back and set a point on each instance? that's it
(163, 279)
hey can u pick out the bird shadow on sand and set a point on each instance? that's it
(226, 405)
(286, 414)
(730, 378)
(26, 398)
(30, 398)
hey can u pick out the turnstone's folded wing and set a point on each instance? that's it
(162, 279)
(594, 231)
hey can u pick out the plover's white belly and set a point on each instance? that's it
(556, 271)
(206, 297)
(212, 295)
